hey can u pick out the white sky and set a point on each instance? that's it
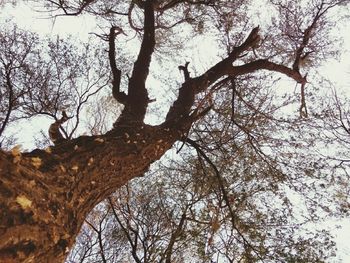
(36, 21)
(23, 15)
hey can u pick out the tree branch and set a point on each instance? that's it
(141, 65)
(185, 71)
(126, 233)
(264, 64)
(65, 8)
(116, 73)
(218, 70)
(136, 106)
(10, 102)
(174, 235)
(226, 198)
(192, 86)
(299, 53)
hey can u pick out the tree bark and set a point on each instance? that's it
(46, 195)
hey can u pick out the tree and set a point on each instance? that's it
(43, 79)
(47, 194)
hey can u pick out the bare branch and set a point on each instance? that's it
(117, 94)
(218, 70)
(185, 71)
(307, 34)
(267, 65)
(226, 198)
(65, 8)
(141, 65)
(135, 108)
(10, 103)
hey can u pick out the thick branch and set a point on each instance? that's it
(299, 54)
(264, 64)
(141, 65)
(173, 3)
(192, 86)
(136, 106)
(119, 96)
(218, 70)
(185, 71)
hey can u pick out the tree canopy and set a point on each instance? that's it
(252, 138)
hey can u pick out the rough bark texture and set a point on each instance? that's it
(45, 196)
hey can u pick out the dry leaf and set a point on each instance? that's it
(23, 201)
(99, 140)
(36, 162)
(16, 150)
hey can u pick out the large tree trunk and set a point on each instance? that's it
(46, 195)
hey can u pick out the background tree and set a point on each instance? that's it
(235, 201)
(43, 79)
(246, 154)
(18, 48)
